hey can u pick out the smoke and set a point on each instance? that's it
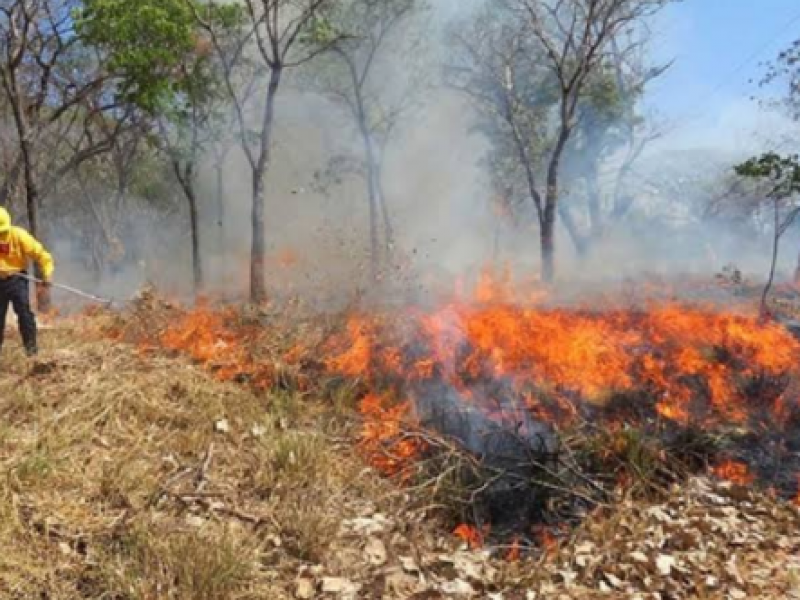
(439, 195)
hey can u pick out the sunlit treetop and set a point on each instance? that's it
(146, 43)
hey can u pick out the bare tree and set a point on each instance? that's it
(576, 36)
(779, 178)
(535, 62)
(48, 95)
(609, 138)
(188, 128)
(281, 34)
(371, 34)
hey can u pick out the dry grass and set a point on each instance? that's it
(138, 476)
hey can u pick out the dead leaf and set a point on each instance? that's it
(473, 566)
(409, 564)
(399, 583)
(458, 587)
(366, 526)
(664, 564)
(304, 589)
(376, 552)
(568, 576)
(339, 586)
(195, 521)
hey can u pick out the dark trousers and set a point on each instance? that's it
(14, 291)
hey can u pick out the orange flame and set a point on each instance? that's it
(735, 472)
(212, 337)
(473, 536)
(546, 538)
(691, 364)
(561, 361)
(514, 552)
(383, 422)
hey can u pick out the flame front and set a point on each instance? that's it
(508, 357)
(685, 364)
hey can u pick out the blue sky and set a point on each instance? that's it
(719, 47)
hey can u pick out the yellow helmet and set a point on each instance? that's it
(5, 221)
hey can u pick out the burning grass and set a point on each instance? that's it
(131, 473)
(515, 416)
(554, 412)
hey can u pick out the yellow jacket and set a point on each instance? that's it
(17, 248)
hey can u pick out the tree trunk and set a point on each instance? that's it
(594, 201)
(579, 241)
(547, 231)
(373, 192)
(546, 213)
(220, 198)
(530, 176)
(197, 258)
(186, 178)
(388, 229)
(375, 202)
(31, 195)
(548, 244)
(764, 308)
(797, 272)
(258, 284)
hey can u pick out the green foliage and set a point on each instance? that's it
(165, 63)
(604, 97)
(320, 31)
(606, 113)
(145, 41)
(226, 17)
(781, 172)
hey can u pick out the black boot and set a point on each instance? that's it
(29, 336)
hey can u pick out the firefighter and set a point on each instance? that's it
(17, 247)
